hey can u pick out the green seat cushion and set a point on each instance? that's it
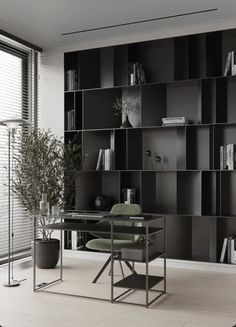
(104, 245)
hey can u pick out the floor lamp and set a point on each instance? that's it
(12, 125)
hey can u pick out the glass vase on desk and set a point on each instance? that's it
(44, 205)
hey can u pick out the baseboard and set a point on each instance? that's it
(171, 263)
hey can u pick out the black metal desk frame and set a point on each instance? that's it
(145, 230)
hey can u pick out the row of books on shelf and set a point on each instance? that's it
(136, 73)
(228, 157)
(104, 161)
(228, 253)
(71, 80)
(70, 120)
(174, 121)
(230, 66)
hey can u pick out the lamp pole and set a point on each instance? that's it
(11, 124)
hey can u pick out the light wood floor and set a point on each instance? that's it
(195, 299)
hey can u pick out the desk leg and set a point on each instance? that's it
(61, 251)
(112, 264)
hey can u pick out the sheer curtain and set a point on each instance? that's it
(18, 99)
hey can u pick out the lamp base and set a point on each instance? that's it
(11, 284)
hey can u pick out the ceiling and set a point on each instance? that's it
(43, 22)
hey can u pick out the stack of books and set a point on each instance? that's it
(174, 121)
(228, 157)
(136, 73)
(71, 80)
(230, 66)
(228, 253)
(70, 120)
(104, 161)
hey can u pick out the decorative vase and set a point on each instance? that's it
(126, 122)
(44, 205)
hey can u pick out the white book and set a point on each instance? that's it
(232, 62)
(231, 156)
(221, 157)
(169, 119)
(100, 159)
(232, 246)
(234, 70)
(222, 256)
(108, 159)
(227, 65)
(74, 240)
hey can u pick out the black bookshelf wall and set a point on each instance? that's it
(184, 77)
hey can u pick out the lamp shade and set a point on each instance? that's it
(14, 122)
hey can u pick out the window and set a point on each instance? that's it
(18, 99)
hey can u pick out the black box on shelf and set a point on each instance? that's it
(137, 252)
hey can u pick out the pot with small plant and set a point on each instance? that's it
(43, 167)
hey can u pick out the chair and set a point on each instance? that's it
(103, 242)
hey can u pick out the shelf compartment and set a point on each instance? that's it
(155, 186)
(92, 143)
(183, 100)
(120, 152)
(204, 239)
(157, 58)
(189, 193)
(69, 99)
(138, 282)
(181, 57)
(199, 147)
(133, 95)
(131, 179)
(90, 184)
(228, 193)
(225, 227)
(231, 100)
(210, 193)
(153, 98)
(98, 108)
(169, 144)
(121, 65)
(223, 134)
(134, 149)
(89, 68)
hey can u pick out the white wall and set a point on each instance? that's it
(52, 75)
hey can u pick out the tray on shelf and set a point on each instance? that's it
(138, 281)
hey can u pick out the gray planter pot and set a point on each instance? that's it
(47, 253)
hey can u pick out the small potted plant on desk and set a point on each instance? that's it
(39, 182)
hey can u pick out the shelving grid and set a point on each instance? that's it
(184, 77)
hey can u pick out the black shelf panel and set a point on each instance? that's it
(152, 127)
(138, 282)
(217, 77)
(103, 228)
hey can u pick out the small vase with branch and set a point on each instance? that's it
(124, 106)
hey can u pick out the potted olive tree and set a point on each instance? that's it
(44, 166)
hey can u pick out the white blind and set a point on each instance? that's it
(18, 99)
